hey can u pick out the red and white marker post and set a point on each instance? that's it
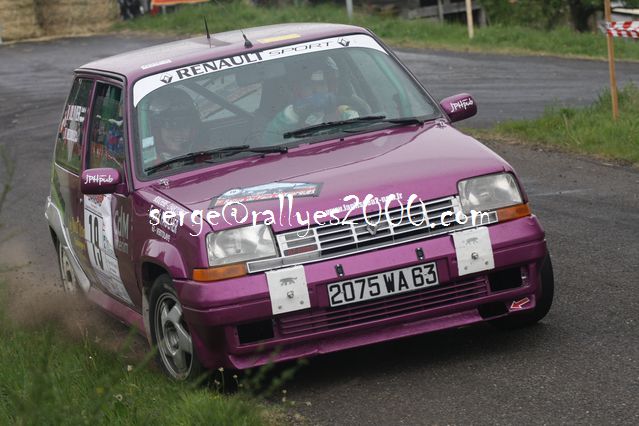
(627, 29)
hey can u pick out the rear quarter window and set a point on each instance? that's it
(68, 147)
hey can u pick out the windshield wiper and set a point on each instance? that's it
(227, 149)
(257, 149)
(405, 120)
(330, 124)
(402, 121)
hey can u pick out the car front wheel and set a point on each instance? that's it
(170, 334)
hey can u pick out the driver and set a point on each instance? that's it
(175, 123)
(314, 102)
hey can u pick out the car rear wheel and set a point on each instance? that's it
(544, 302)
(67, 274)
(170, 334)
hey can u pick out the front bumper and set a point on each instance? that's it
(215, 310)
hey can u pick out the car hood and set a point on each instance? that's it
(427, 161)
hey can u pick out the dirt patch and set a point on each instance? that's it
(30, 305)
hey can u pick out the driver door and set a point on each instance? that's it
(107, 222)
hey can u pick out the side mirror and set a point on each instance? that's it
(459, 107)
(99, 181)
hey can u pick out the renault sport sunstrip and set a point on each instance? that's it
(283, 192)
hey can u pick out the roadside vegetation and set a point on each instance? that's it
(588, 130)
(48, 377)
(509, 37)
(48, 380)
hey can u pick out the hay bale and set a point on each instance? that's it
(77, 16)
(18, 20)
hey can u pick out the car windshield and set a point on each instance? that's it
(288, 95)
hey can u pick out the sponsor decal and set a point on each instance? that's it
(172, 214)
(149, 153)
(300, 48)
(270, 191)
(461, 104)
(211, 66)
(72, 122)
(75, 113)
(161, 233)
(156, 64)
(166, 78)
(278, 38)
(99, 179)
(98, 233)
(155, 81)
(121, 220)
(77, 229)
(288, 281)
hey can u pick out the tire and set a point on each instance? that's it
(67, 274)
(170, 334)
(544, 302)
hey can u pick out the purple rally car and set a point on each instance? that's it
(284, 192)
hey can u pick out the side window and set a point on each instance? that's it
(386, 94)
(396, 93)
(68, 147)
(106, 138)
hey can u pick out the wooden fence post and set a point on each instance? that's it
(469, 18)
(349, 9)
(611, 64)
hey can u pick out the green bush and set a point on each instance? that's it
(539, 14)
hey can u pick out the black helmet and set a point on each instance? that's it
(171, 104)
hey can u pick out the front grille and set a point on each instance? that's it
(303, 323)
(333, 240)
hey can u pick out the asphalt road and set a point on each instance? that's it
(579, 366)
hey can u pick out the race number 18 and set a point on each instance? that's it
(94, 230)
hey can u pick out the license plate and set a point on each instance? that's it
(383, 285)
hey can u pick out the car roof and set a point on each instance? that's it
(154, 59)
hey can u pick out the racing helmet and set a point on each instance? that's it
(171, 105)
(316, 71)
(174, 120)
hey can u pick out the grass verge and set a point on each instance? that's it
(588, 130)
(48, 380)
(396, 31)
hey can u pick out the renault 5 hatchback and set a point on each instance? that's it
(284, 192)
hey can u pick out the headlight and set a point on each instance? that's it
(490, 192)
(240, 245)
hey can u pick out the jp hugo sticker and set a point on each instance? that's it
(269, 191)
(462, 104)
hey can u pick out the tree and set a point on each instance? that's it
(546, 14)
